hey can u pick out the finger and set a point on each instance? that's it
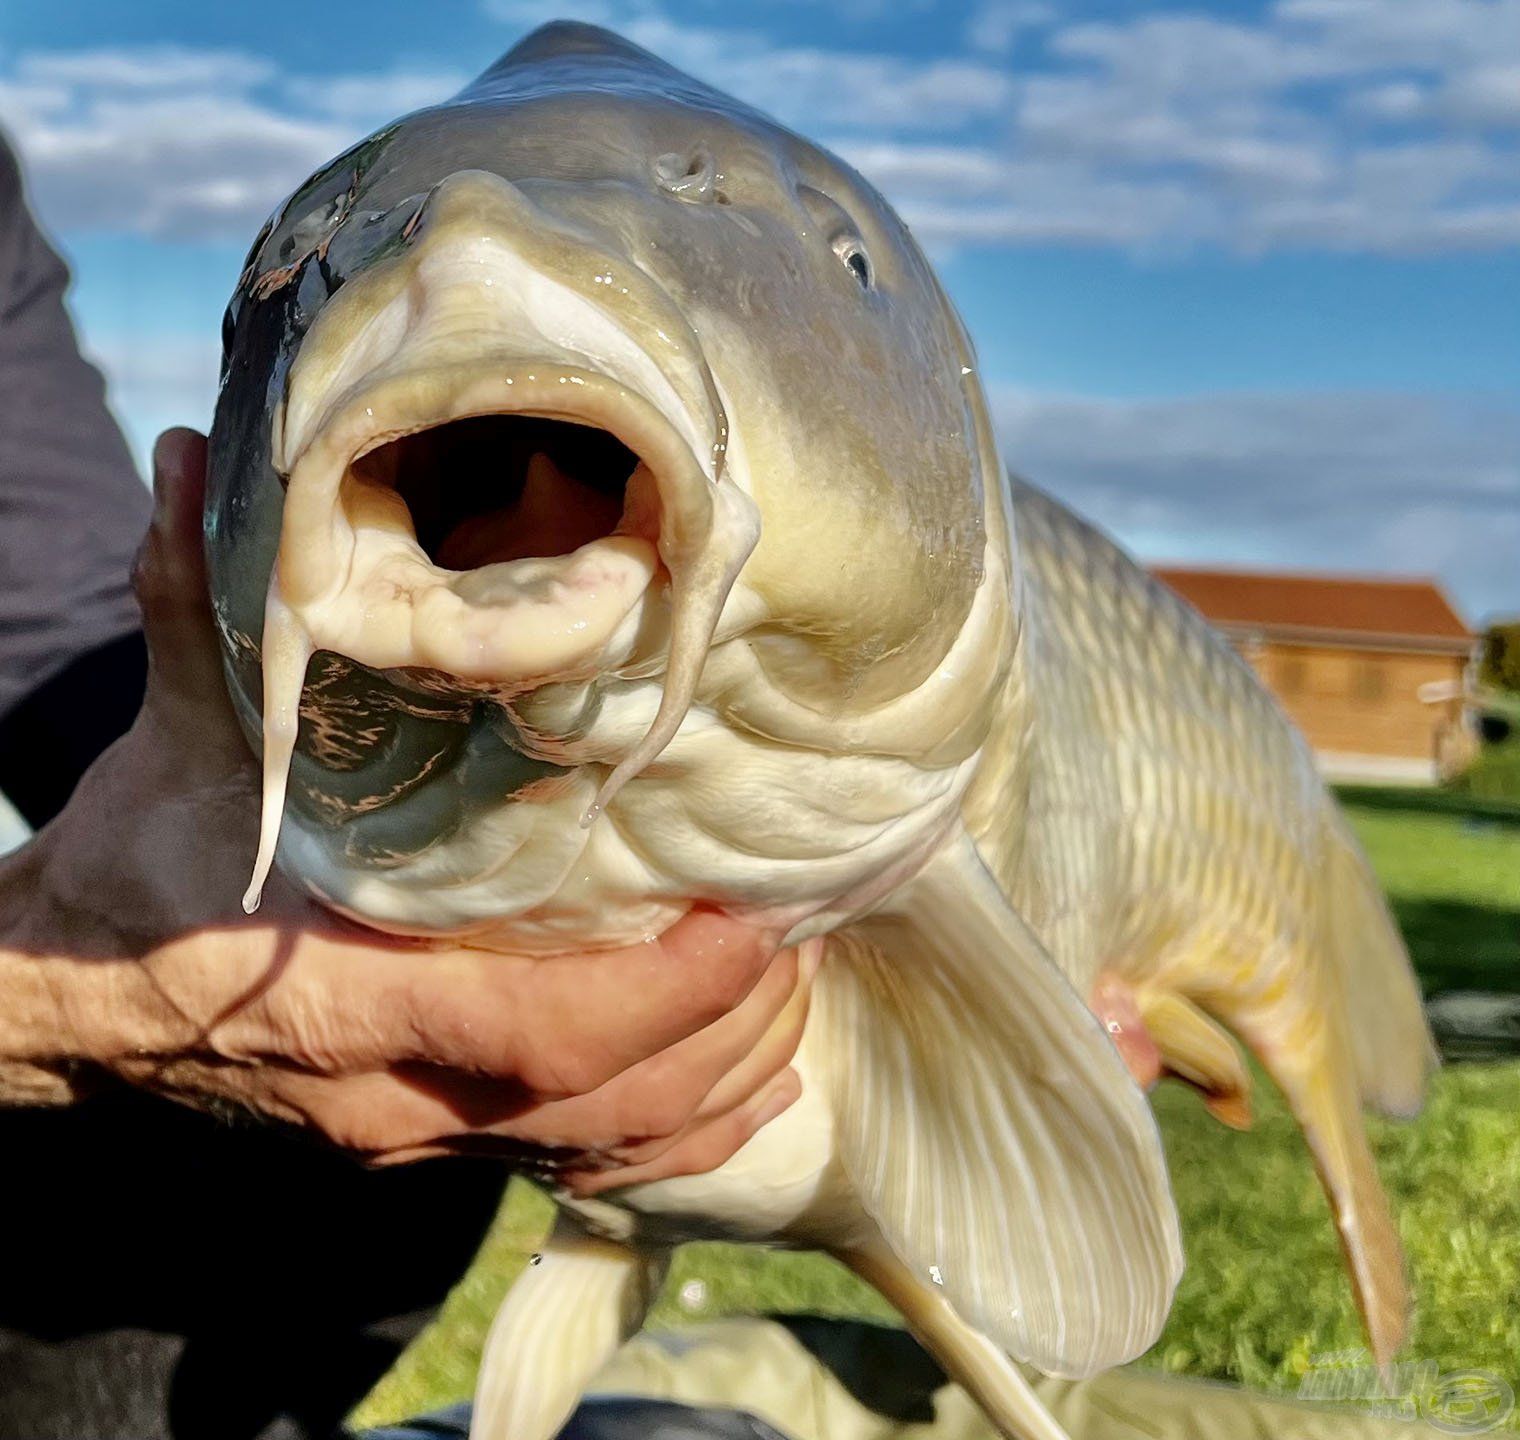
(377, 1114)
(754, 1072)
(660, 1097)
(596, 1015)
(170, 562)
(566, 1026)
(710, 1146)
(170, 573)
(415, 1105)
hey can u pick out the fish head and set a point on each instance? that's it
(536, 401)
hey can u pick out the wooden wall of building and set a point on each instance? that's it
(1358, 702)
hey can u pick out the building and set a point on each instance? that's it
(1371, 669)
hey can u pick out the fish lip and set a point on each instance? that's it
(319, 545)
(409, 402)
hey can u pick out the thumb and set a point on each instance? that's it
(170, 575)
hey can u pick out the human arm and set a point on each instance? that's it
(72, 512)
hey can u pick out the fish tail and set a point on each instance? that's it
(1380, 996)
(561, 1322)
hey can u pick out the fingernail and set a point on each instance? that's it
(783, 1094)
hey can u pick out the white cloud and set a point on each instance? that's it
(1419, 34)
(1278, 127)
(1348, 125)
(1341, 481)
(155, 381)
(815, 89)
(191, 166)
(999, 25)
(926, 170)
(371, 100)
(186, 144)
(157, 68)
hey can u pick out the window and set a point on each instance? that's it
(1369, 680)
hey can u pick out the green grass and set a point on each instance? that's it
(1453, 878)
(1265, 1291)
(1495, 775)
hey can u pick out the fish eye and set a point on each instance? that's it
(853, 253)
(830, 218)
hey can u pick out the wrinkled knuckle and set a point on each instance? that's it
(717, 993)
(445, 1029)
(572, 1070)
(543, 1075)
(147, 577)
(317, 1039)
(225, 1041)
(568, 1075)
(736, 976)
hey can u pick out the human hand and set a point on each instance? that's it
(125, 951)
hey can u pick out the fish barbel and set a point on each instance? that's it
(605, 518)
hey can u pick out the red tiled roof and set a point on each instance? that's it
(1406, 608)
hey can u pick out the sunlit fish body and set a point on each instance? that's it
(1187, 869)
(603, 482)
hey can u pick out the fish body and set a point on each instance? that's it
(604, 518)
(1185, 865)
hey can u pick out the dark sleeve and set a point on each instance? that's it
(72, 511)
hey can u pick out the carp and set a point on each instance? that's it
(604, 518)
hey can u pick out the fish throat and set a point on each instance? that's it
(496, 488)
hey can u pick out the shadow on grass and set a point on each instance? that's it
(1501, 813)
(1457, 946)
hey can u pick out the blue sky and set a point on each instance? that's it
(1245, 278)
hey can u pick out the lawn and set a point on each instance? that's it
(1264, 1292)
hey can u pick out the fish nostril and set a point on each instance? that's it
(691, 176)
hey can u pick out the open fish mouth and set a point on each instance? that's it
(505, 528)
(496, 488)
(490, 468)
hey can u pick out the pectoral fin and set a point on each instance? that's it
(990, 1128)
